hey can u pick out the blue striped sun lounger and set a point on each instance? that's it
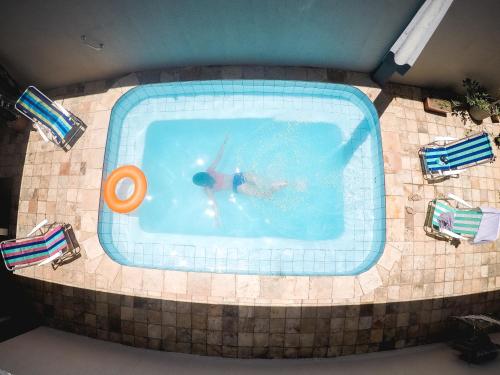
(454, 157)
(63, 126)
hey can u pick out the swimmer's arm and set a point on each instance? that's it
(219, 155)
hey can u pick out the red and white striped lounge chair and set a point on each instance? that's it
(36, 250)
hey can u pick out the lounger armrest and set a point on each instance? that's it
(41, 131)
(62, 109)
(459, 200)
(451, 234)
(453, 172)
(38, 227)
(50, 259)
(444, 139)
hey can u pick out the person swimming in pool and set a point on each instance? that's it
(240, 183)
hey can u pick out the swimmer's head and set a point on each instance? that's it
(203, 179)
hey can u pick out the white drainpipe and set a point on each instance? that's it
(412, 41)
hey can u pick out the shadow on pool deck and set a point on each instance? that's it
(216, 72)
(13, 148)
(383, 100)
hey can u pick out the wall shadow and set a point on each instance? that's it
(246, 331)
(13, 150)
(13, 146)
(391, 91)
(214, 72)
(383, 100)
(357, 138)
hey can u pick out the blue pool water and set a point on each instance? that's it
(323, 139)
(310, 208)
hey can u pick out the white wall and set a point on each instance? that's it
(466, 44)
(40, 40)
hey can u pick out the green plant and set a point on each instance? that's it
(497, 141)
(476, 95)
(460, 109)
(443, 104)
(495, 109)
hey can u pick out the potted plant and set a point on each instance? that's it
(497, 141)
(436, 105)
(477, 99)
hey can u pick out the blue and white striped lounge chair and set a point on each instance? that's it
(476, 224)
(52, 121)
(448, 156)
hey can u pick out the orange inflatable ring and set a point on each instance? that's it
(124, 206)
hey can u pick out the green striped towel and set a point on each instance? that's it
(465, 221)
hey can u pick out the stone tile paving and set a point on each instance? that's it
(66, 187)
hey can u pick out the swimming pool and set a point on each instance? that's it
(322, 139)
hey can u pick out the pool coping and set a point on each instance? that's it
(219, 87)
(257, 289)
(247, 289)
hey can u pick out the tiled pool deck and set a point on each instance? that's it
(65, 187)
